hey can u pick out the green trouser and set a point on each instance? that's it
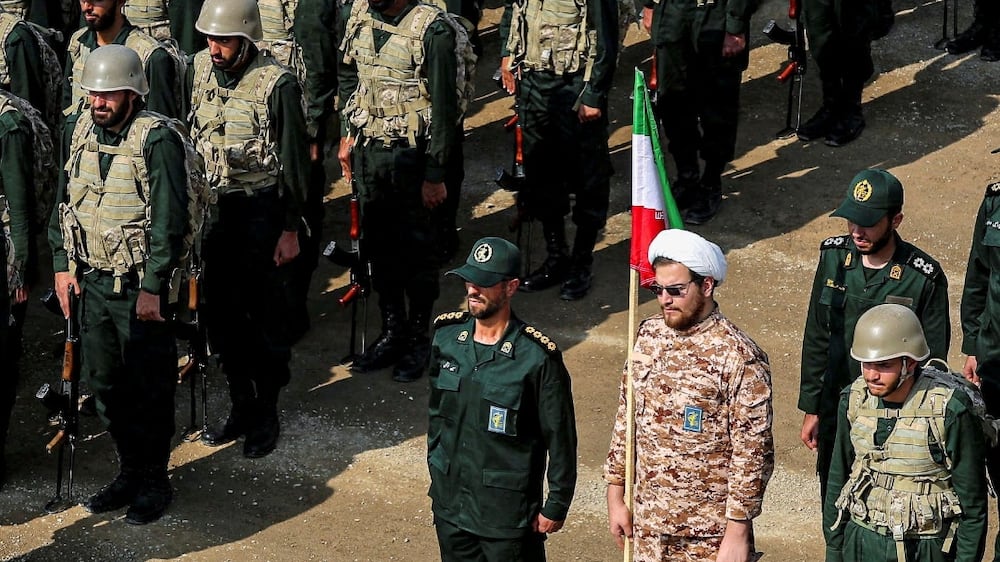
(130, 366)
(840, 42)
(8, 363)
(457, 545)
(865, 545)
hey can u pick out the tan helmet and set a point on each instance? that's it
(888, 331)
(230, 18)
(114, 67)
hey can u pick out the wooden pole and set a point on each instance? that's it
(633, 311)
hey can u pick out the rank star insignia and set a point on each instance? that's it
(483, 253)
(896, 272)
(995, 187)
(923, 265)
(862, 190)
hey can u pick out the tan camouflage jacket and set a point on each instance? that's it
(704, 448)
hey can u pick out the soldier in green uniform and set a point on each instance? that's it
(248, 125)
(702, 49)
(559, 58)
(18, 253)
(908, 479)
(870, 265)
(117, 237)
(182, 14)
(21, 61)
(501, 421)
(840, 40)
(106, 24)
(981, 314)
(399, 120)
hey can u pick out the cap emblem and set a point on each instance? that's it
(483, 253)
(862, 191)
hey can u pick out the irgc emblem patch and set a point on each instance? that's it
(862, 190)
(692, 419)
(498, 420)
(483, 253)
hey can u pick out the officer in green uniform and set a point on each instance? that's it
(399, 121)
(840, 40)
(248, 125)
(106, 24)
(559, 58)
(18, 254)
(981, 314)
(868, 266)
(117, 237)
(702, 49)
(908, 479)
(501, 421)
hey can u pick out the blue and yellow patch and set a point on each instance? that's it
(498, 420)
(692, 418)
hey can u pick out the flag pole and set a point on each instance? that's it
(633, 310)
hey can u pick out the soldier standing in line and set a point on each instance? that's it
(559, 58)
(501, 421)
(908, 479)
(117, 239)
(18, 251)
(248, 125)
(106, 24)
(150, 16)
(702, 49)
(703, 446)
(399, 85)
(21, 61)
(870, 265)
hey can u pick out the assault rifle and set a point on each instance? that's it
(514, 180)
(361, 275)
(795, 69)
(193, 366)
(66, 401)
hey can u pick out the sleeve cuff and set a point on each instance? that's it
(555, 510)
(735, 25)
(434, 173)
(152, 284)
(593, 99)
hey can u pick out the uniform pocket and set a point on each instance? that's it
(501, 405)
(507, 492)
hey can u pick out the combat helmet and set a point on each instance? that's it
(114, 67)
(230, 18)
(888, 331)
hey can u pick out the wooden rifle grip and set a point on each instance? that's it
(56, 441)
(793, 10)
(788, 72)
(183, 372)
(518, 145)
(351, 294)
(355, 219)
(193, 293)
(69, 361)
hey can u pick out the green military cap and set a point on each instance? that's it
(870, 196)
(491, 261)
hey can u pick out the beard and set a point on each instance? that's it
(684, 317)
(116, 117)
(486, 308)
(102, 22)
(878, 245)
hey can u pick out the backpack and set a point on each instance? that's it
(53, 80)
(952, 379)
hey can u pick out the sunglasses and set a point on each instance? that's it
(672, 290)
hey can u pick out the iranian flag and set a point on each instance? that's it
(653, 206)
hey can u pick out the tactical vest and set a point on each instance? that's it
(898, 487)
(276, 19)
(105, 221)
(150, 16)
(231, 128)
(391, 101)
(77, 54)
(552, 35)
(17, 8)
(7, 23)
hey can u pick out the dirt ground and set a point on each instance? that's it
(348, 481)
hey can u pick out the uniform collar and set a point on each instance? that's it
(506, 346)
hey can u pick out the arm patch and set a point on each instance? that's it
(541, 339)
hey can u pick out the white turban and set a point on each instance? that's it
(697, 254)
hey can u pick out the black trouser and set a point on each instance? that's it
(989, 373)
(249, 300)
(840, 42)
(130, 366)
(457, 545)
(309, 247)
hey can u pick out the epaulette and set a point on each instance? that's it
(924, 264)
(447, 318)
(834, 242)
(541, 339)
(993, 189)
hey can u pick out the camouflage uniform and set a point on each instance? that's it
(705, 394)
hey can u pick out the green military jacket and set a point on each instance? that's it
(497, 415)
(841, 293)
(964, 445)
(168, 204)
(981, 296)
(22, 65)
(680, 20)
(16, 186)
(183, 14)
(315, 30)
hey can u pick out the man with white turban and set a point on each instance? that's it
(703, 446)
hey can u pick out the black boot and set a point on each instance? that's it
(262, 435)
(991, 47)
(243, 396)
(153, 498)
(819, 125)
(121, 491)
(580, 279)
(413, 363)
(850, 121)
(555, 269)
(390, 345)
(685, 188)
(706, 207)
(969, 39)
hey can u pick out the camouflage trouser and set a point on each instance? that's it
(654, 547)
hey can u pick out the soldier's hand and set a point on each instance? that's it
(619, 517)
(287, 248)
(507, 76)
(587, 113)
(344, 155)
(733, 45)
(970, 368)
(647, 20)
(433, 194)
(64, 282)
(542, 524)
(736, 541)
(147, 307)
(21, 294)
(314, 151)
(810, 431)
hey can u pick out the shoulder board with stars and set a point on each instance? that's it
(541, 339)
(924, 264)
(834, 242)
(447, 318)
(993, 189)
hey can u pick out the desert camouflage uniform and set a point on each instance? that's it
(704, 450)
